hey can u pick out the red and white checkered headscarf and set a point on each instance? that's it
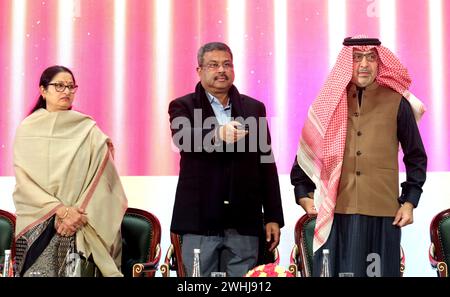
(321, 147)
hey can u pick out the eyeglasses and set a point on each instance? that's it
(60, 87)
(370, 57)
(216, 66)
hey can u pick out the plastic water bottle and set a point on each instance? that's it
(196, 265)
(7, 267)
(325, 264)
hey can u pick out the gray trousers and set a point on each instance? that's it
(232, 253)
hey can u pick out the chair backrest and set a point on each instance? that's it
(7, 231)
(304, 234)
(440, 238)
(141, 236)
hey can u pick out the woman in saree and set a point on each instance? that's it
(68, 196)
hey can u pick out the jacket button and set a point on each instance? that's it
(359, 133)
(358, 172)
(358, 153)
(356, 114)
(354, 95)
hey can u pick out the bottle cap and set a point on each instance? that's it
(7, 252)
(326, 251)
(196, 251)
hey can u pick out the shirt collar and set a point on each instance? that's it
(212, 99)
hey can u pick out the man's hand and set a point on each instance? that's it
(308, 205)
(230, 134)
(404, 215)
(273, 235)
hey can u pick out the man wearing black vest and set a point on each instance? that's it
(346, 168)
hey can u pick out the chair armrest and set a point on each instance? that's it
(140, 268)
(276, 256)
(431, 256)
(294, 255)
(402, 261)
(293, 268)
(157, 254)
(168, 260)
(441, 267)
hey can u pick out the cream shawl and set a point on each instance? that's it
(64, 158)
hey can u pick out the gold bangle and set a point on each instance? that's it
(65, 214)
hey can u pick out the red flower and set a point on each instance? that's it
(269, 270)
